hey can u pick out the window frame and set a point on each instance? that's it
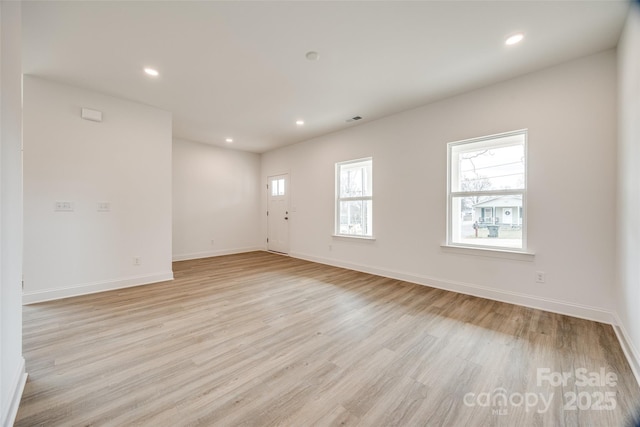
(509, 192)
(338, 199)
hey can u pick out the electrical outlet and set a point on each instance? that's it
(212, 242)
(540, 277)
(137, 260)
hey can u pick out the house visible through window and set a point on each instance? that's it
(354, 201)
(487, 192)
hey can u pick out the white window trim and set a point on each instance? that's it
(353, 236)
(495, 251)
(490, 252)
(338, 199)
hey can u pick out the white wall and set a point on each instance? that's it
(215, 198)
(12, 366)
(124, 160)
(628, 295)
(570, 111)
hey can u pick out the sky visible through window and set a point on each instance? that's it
(492, 169)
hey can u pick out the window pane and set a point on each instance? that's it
(355, 179)
(488, 221)
(355, 218)
(482, 167)
(281, 187)
(274, 187)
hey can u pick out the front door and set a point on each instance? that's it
(507, 216)
(278, 213)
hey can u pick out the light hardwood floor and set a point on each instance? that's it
(262, 339)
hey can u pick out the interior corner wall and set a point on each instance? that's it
(12, 364)
(216, 201)
(628, 250)
(125, 161)
(570, 113)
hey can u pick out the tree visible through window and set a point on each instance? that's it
(487, 191)
(354, 198)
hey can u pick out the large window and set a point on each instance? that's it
(354, 201)
(487, 190)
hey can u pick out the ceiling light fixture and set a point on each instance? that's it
(299, 122)
(228, 140)
(152, 72)
(312, 55)
(514, 39)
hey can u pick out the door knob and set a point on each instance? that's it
(286, 217)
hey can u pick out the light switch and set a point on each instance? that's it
(60, 206)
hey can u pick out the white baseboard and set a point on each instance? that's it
(546, 304)
(92, 288)
(630, 351)
(10, 410)
(209, 254)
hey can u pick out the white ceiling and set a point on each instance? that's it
(238, 69)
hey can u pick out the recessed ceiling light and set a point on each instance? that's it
(228, 140)
(299, 122)
(312, 55)
(152, 72)
(514, 39)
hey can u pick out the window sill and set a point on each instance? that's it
(492, 253)
(346, 236)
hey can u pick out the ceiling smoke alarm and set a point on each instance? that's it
(312, 56)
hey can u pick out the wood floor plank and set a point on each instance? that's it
(259, 339)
